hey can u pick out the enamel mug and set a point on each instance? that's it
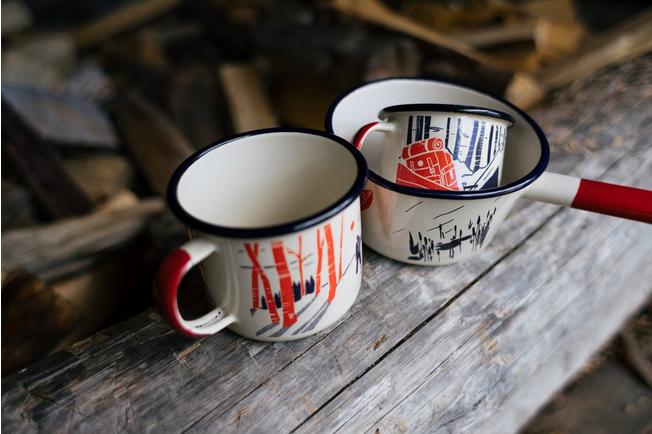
(275, 222)
(433, 227)
(440, 146)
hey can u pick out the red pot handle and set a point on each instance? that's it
(166, 287)
(363, 132)
(601, 197)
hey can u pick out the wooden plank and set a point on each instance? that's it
(227, 383)
(462, 368)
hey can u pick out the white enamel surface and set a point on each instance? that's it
(393, 217)
(428, 231)
(264, 180)
(554, 188)
(229, 275)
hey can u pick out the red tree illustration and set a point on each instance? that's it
(332, 279)
(320, 245)
(285, 282)
(339, 270)
(257, 271)
(300, 258)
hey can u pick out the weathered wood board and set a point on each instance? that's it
(473, 347)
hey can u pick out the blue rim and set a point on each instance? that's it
(450, 108)
(458, 195)
(266, 231)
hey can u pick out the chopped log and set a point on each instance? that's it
(42, 61)
(120, 20)
(61, 120)
(17, 206)
(46, 248)
(39, 318)
(637, 343)
(34, 318)
(151, 51)
(400, 58)
(558, 11)
(374, 11)
(40, 167)
(100, 176)
(89, 82)
(490, 36)
(194, 99)
(554, 40)
(248, 102)
(155, 143)
(16, 17)
(627, 40)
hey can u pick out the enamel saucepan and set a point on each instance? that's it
(433, 227)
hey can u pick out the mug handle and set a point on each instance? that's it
(601, 197)
(362, 133)
(166, 287)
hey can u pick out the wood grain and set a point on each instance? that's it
(156, 144)
(40, 168)
(627, 40)
(247, 99)
(450, 335)
(376, 12)
(40, 249)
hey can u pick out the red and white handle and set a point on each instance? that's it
(363, 132)
(166, 287)
(601, 197)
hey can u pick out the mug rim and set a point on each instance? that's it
(514, 186)
(449, 108)
(285, 228)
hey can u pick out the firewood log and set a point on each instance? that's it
(155, 143)
(68, 244)
(248, 103)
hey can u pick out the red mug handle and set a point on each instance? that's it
(601, 197)
(166, 287)
(363, 132)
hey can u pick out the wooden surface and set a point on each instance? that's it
(473, 347)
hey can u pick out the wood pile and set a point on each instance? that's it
(102, 100)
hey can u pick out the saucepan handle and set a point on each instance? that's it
(601, 197)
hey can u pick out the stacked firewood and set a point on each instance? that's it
(102, 100)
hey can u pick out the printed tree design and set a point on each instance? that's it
(285, 282)
(332, 278)
(320, 249)
(256, 272)
(300, 259)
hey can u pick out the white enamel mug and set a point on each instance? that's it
(275, 217)
(440, 146)
(433, 227)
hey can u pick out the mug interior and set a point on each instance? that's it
(265, 178)
(526, 152)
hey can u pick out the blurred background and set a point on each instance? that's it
(101, 100)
